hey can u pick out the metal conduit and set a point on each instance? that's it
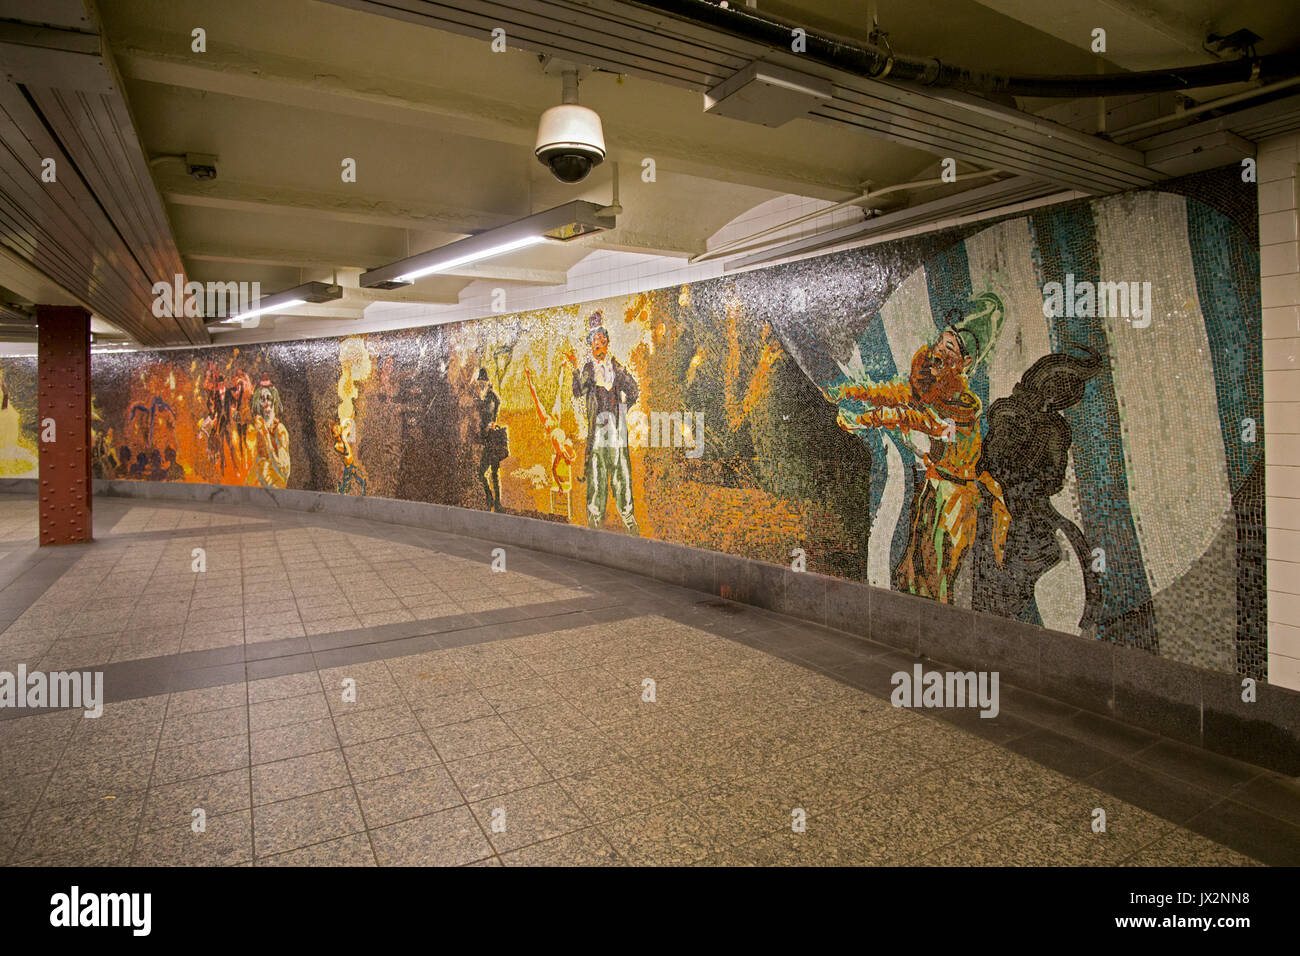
(877, 62)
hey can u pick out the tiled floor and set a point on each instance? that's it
(339, 692)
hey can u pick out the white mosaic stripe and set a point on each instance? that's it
(1001, 261)
(908, 321)
(1164, 378)
(886, 518)
(1060, 593)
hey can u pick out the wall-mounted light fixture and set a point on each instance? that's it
(267, 304)
(560, 223)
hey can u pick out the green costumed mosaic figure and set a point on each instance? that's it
(936, 400)
(608, 390)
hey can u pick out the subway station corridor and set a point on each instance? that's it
(503, 718)
(725, 442)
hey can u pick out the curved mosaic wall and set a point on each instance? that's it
(1053, 418)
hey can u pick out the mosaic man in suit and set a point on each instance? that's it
(608, 390)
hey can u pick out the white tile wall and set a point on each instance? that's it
(609, 274)
(1278, 168)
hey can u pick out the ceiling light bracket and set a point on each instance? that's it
(557, 66)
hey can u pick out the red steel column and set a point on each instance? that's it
(63, 414)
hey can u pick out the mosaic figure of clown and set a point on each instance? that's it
(268, 438)
(936, 400)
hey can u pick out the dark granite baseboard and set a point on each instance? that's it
(1189, 704)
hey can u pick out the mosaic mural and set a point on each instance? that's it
(1049, 418)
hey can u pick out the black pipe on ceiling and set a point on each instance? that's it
(878, 62)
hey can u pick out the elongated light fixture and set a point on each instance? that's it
(263, 310)
(279, 301)
(469, 257)
(560, 223)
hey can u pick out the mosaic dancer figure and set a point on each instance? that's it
(268, 439)
(936, 400)
(343, 447)
(493, 437)
(563, 452)
(225, 403)
(608, 390)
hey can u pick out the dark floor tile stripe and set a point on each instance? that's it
(1249, 831)
(166, 534)
(192, 670)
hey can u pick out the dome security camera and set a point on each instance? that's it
(570, 142)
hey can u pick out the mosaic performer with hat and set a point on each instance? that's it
(608, 390)
(936, 400)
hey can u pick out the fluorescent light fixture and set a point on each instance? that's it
(275, 307)
(470, 257)
(298, 295)
(560, 223)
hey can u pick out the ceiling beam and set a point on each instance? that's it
(97, 226)
(431, 291)
(251, 198)
(12, 315)
(625, 37)
(30, 284)
(300, 85)
(627, 239)
(68, 14)
(311, 204)
(1139, 35)
(338, 259)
